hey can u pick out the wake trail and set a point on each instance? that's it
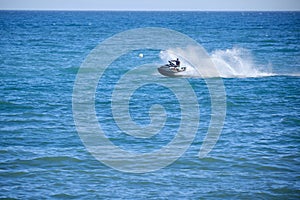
(229, 63)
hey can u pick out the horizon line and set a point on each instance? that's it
(163, 10)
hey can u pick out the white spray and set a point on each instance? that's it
(235, 62)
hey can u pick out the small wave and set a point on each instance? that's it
(48, 161)
(229, 63)
(64, 196)
(57, 159)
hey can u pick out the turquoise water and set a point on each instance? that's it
(256, 156)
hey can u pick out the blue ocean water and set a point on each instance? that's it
(256, 156)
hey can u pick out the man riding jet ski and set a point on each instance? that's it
(172, 69)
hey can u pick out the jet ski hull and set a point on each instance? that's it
(170, 71)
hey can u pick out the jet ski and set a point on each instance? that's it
(171, 70)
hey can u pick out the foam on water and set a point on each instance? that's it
(237, 62)
(230, 63)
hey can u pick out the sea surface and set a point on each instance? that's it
(257, 155)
